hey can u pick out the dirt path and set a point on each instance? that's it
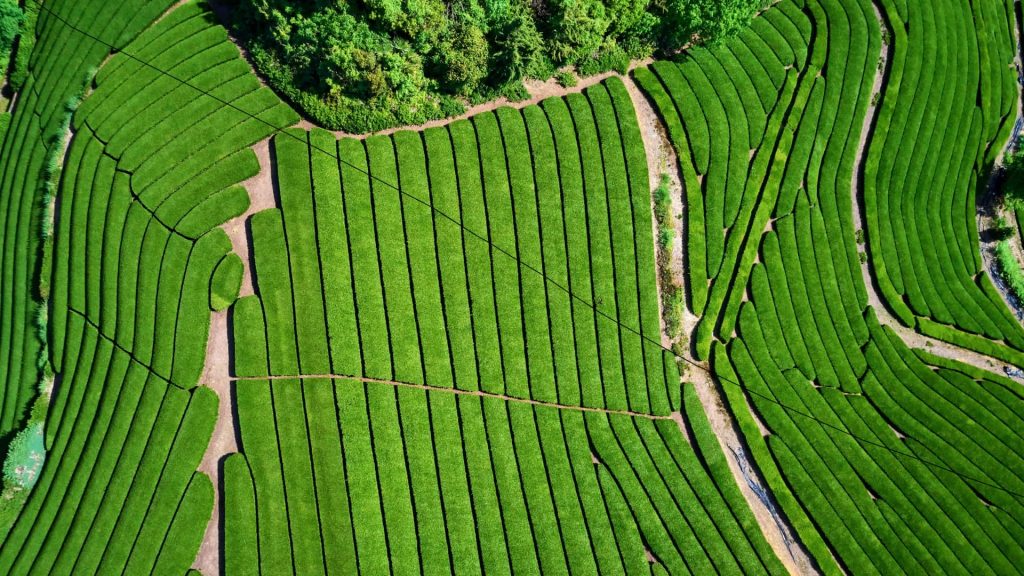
(261, 197)
(859, 218)
(661, 159)
(217, 370)
(222, 443)
(779, 534)
(538, 91)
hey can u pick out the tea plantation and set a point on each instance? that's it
(235, 343)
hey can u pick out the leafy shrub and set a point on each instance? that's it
(566, 79)
(19, 66)
(662, 199)
(665, 237)
(1001, 230)
(1013, 187)
(11, 21)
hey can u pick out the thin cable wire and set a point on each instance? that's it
(281, 130)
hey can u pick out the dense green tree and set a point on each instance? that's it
(517, 43)
(11, 19)
(363, 65)
(576, 29)
(633, 26)
(461, 59)
(686, 21)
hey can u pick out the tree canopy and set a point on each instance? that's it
(370, 64)
(1013, 188)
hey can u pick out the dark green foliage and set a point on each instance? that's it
(575, 28)
(11, 21)
(1000, 230)
(1013, 185)
(517, 44)
(672, 294)
(373, 64)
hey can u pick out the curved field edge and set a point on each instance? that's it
(51, 83)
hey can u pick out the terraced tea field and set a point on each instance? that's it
(247, 345)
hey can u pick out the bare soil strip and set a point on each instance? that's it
(261, 197)
(780, 535)
(538, 91)
(222, 443)
(217, 369)
(661, 159)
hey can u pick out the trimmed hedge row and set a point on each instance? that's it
(436, 482)
(226, 282)
(240, 546)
